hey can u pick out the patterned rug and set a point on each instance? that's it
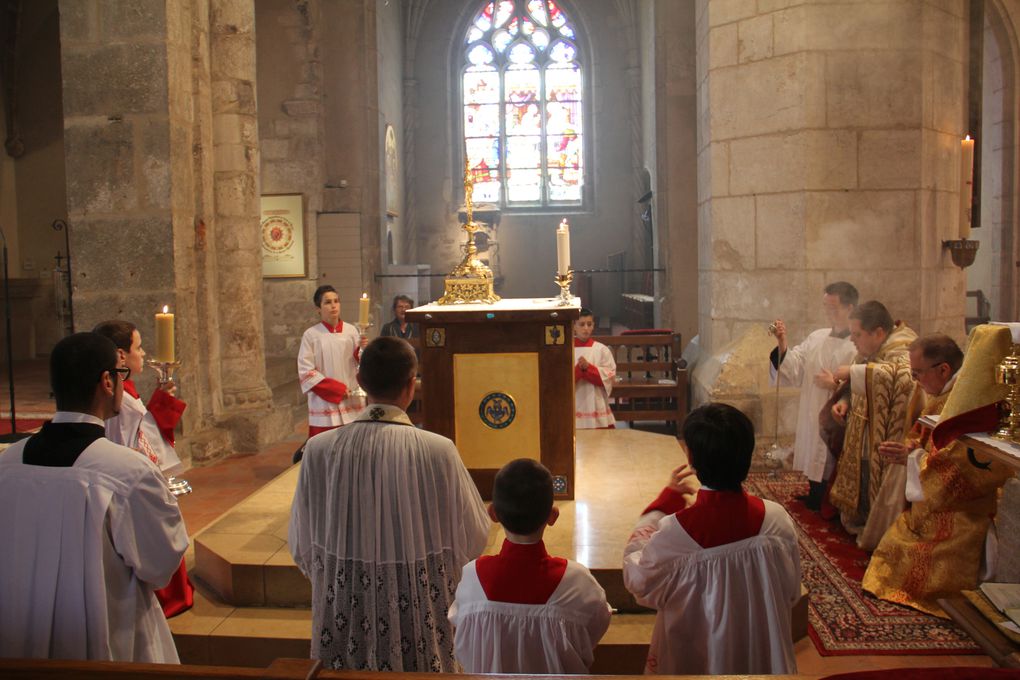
(843, 619)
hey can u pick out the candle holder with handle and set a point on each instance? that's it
(359, 391)
(165, 371)
(563, 281)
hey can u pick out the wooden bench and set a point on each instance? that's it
(651, 378)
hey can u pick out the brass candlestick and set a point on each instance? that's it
(471, 281)
(1008, 373)
(563, 281)
(165, 371)
(359, 392)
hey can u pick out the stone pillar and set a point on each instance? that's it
(237, 211)
(116, 149)
(828, 149)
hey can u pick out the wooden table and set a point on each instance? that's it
(986, 634)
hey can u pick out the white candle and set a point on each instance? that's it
(966, 184)
(563, 248)
(165, 336)
(363, 304)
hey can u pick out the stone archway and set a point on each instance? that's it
(992, 280)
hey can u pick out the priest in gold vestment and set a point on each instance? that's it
(875, 410)
(935, 547)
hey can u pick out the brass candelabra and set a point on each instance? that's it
(1008, 373)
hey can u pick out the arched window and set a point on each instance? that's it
(522, 98)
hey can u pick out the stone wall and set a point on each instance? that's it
(670, 137)
(291, 149)
(828, 149)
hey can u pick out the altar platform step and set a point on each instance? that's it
(244, 558)
(255, 601)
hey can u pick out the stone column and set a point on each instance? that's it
(828, 149)
(237, 211)
(117, 153)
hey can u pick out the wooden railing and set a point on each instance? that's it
(651, 378)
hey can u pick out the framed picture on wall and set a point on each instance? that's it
(283, 236)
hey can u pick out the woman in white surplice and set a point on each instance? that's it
(384, 518)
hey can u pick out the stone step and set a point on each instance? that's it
(215, 633)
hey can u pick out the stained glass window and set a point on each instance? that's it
(523, 104)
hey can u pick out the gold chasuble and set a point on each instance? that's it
(874, 417)
(934, 548)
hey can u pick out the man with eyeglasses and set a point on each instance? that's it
(90, 528)
(936, 546)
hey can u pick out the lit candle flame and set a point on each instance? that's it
(967, 138)
(166, 308)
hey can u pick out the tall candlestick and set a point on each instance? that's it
(363, 304)
(563, 248)
(165, 336)
(966, 184)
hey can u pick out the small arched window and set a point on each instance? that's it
(522, 94)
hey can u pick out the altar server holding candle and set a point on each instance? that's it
(149, 429)
(328, 363)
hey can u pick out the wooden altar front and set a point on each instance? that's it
(498, 380)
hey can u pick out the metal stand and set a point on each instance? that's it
(359, 392)
(563, 281)
(165, 369)
(14, 434)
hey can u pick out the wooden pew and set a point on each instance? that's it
(651, 378)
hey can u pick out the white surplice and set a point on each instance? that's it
(556, 637)
(134, 422)
(591, 402)
(384, 518)
(84, 549)
(324, 354)
(722, 610)
(820, 350)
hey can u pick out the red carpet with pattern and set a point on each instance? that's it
(845, 620)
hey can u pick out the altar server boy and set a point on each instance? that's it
(522, 611)
(594, 373)
(723, 572)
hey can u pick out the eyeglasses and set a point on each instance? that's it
(123, 371)
(915, 373)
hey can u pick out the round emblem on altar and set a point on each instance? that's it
(277, 234)
(497, 410)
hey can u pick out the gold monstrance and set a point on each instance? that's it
(471, 280)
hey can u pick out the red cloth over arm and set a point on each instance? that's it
(591, 375)
(330, 390)
(167, 410)
(669, 502)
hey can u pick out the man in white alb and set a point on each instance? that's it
(90, 528)
(384, 518)
(810, 366)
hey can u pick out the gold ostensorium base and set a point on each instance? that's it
(1008, 373)
(468, 290)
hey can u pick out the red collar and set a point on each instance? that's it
(337, 329)
(523, 551)
(129, 387)
(720, 517)
(584, 343)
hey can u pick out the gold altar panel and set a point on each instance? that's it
(481, 377)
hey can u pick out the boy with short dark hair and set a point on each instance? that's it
(328, 365)
(522, 611)
(594, 373)
(723, 572)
